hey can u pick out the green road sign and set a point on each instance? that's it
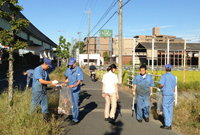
(106, 33)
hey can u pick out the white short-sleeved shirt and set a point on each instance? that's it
(110, 79)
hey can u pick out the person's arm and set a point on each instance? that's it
(160, 86)
(45, 82)
(72, 86)
(151, 90)
(66, 80)
(116, 88)
(103, 90)
(28, 81)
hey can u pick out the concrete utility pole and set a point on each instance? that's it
(152, 58)
(88, 12)
(168, 51)
(120, 44)
(79, 39)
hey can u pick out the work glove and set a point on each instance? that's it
(134, 94)
(26, 86)
(55, 82)
(151, 95)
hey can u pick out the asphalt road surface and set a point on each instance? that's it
(91, 116)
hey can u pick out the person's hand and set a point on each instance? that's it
(134, 93)
(117, 96)
(53, 84)
(27, 86)
(72, 86)
(103, 95)
(151, 95)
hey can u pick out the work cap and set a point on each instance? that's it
(71, 61)
(48, 62)
(168, 66)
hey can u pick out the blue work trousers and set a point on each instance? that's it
(142, 103)
(75, 98)
(39, 98)
(168, 109)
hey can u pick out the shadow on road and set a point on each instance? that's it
(118, 110)
(116, 129)
(87, 109)
(83, 95)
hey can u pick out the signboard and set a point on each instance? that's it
(106, 33)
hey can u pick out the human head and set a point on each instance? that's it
(24, 72)
(46, 64)
(143, 69)
(112, 68)
(72, 63)
(168, 68)
(92, 64)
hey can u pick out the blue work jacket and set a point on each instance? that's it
(168, 81)
(29, 75)
(143, 84)
(73, 76)
(39, 73)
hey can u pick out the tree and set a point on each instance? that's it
(8, 38)
(106, 56)
(77, 46)
(62, 50)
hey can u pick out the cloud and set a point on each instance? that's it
(162, 27)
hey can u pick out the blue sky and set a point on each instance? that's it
(174, 17)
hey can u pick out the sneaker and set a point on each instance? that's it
(73, 123)
(146, 119)
(166, 127)
(140, 121)
(111, 120)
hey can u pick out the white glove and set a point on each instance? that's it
(26, 86)
(55, 82)
(133, 93)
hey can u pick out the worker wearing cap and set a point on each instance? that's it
(29, 74)
(143, 86)
(167, 86)
(74, 76)
(40, 81)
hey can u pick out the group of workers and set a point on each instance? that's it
(143, 85)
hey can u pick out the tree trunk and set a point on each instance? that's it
(58, 61)
(10, 86)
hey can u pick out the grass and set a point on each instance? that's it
(58, 74)
(187, 116)
(20, 122)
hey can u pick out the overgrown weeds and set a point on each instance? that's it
(20, 122)
(58, 74)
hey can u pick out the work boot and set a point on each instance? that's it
(140, 121)
(166, 127)
(46, 117)
(146, 119)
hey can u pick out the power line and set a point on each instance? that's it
(83, 15)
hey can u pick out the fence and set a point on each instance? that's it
(156, 90)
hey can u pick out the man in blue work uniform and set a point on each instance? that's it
(74, 76)
(167, 86)
(29, 74)
(143, 86)
(40, 81)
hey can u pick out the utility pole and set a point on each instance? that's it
(120, 44)
(79, 39)
(88, 12)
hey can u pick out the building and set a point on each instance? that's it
(38, 43)
(98, 45)
(93, 58)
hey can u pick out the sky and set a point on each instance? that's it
(174, 17)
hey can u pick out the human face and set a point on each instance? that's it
(74, 65)
(45, 66)
(113, 70)
(142, 71)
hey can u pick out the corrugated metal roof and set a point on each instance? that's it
(172, 46)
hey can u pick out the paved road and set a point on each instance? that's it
(92, 116)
